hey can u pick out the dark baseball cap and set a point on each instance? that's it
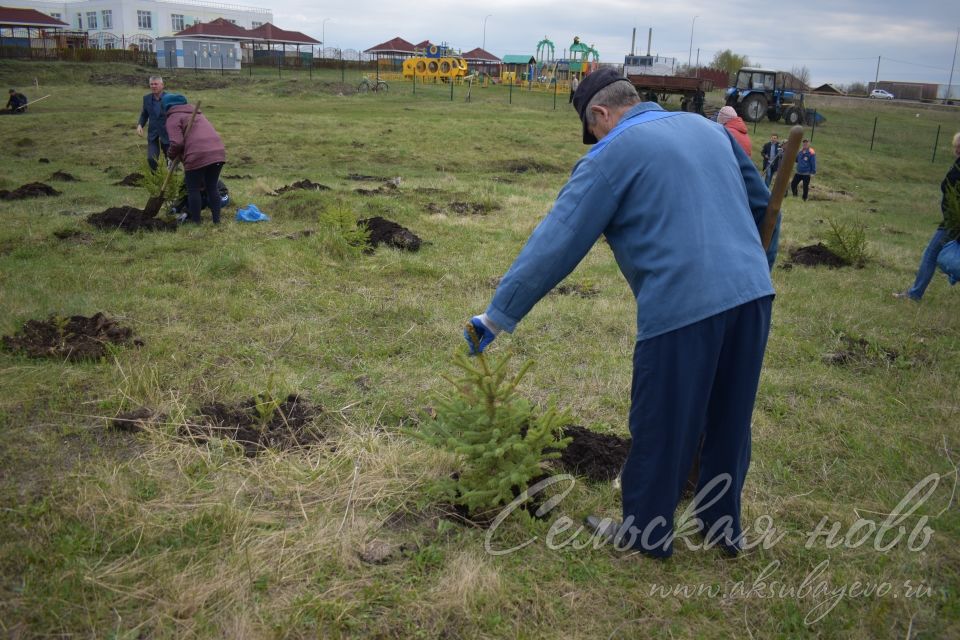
(588, 88)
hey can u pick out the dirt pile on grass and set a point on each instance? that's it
(130, 180)
(387, 232)
(462, 208)
(815, 255)
(526, 166)
(855, 351)
(304, 184)
(29, 190)
(73, 338)
(597, 456)
(136, 420)
(63, 176)
(129, 219)
(258, 424)
(387, 188)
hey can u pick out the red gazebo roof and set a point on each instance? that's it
(273, 33)
(10, 17)
(396, 45)
(480, 54)
(218, 28)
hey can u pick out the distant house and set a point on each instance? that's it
(907, 90)
(828, 90)
(220, 44)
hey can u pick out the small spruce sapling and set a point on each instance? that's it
(500, 439)
(848, 241)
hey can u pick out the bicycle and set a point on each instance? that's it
(368, 85)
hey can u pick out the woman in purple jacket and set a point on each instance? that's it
(202, 153)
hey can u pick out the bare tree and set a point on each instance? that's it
(801, 73)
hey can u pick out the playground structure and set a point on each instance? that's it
(438, 62)
(545, 71)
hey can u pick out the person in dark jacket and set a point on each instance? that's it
(679, 203)
(771, 152)
(928, 263)
(17, 102)
(201, 151)
(152, 115)
(806, 168)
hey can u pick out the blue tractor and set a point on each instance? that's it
(774, 94)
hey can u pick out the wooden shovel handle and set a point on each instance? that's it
(790, 150)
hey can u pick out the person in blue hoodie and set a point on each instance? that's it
(680, 205)
(806, 168)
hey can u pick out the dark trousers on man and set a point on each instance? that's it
(797, 179)
(153, 151)
(203, 178)
(699, 380)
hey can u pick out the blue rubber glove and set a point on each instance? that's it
(485, 331)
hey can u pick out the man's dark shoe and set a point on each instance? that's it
(603, 528)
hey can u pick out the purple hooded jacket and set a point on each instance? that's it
(202, 147)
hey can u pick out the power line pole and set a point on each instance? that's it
(876, 79)
(946, 96)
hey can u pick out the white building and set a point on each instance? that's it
(120, 24)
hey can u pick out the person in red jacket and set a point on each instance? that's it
(736, 126)
(202, 153)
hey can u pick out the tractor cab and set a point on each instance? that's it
(762, 92)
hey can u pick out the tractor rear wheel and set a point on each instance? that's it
(773, 115)
(754, 108)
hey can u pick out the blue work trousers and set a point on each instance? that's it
(699, 380)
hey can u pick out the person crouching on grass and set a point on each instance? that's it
(202, 153)
(680, 204)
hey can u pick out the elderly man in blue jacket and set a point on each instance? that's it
(153, 116)
(680, 205)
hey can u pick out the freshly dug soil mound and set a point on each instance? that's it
(29, 190)
(859, 351)
(286, 426)
(816, 254)
(383, 231)
(73, 338)
(305, 184)
(597, 456)
(136, 420)
(387, 188)
(131, 180)
(63, 176)
(129, 219)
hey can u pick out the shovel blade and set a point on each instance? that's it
(153, 207)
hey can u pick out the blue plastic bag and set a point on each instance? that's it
(949, 261)
(251, 213)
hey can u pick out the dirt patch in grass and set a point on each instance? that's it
(116, 79)
(386, 189)
(526, 166)
(305, 185)
(23, 143)
(596, 456)
(381, 552)
(830, 195)
(136, 420)
(462, 208)
(63, 176)
(815, 255)
(129, 219)
(70, 338)
(74, 235)
(134, 179)
(359, 177)
(388, 232)
(860, 351)
(576, 289)
(29, 190)
(258, 424)
(238, 177)
(44, 161)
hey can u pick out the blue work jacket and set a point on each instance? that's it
(153, 113)
(679, 203)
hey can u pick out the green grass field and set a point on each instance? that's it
(119, 535)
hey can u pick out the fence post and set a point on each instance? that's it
(874, 134)
(279, 63)
(195, 68)
(221, 64)
(451, 89)
(510, 98)
(343, 69)
(814, 129)
(936, 141)
(555, 84)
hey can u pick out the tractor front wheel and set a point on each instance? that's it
(754, 108)
(793, 116)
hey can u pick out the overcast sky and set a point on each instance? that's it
(839, 41)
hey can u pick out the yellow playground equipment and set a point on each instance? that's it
(436, 63)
